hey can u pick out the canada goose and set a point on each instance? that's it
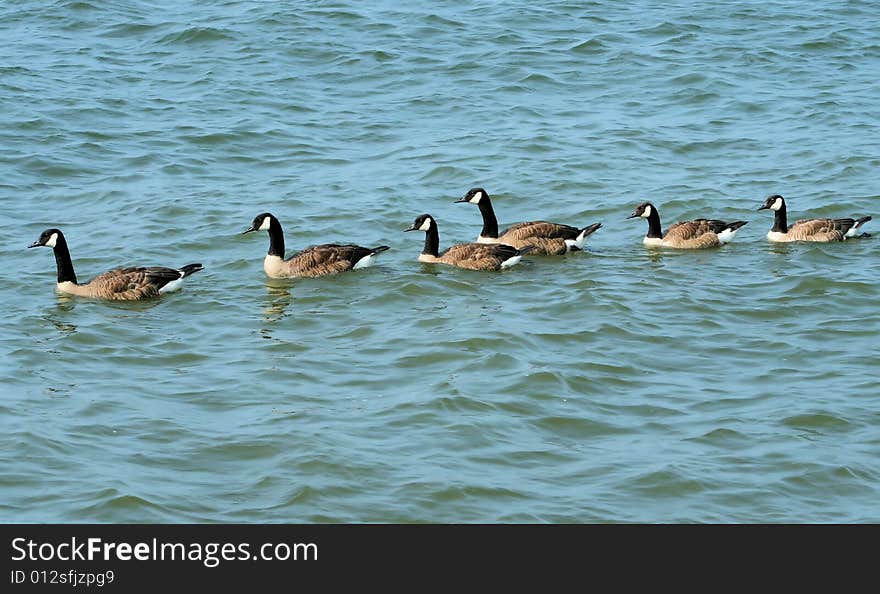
(121, 284)
(696, 234)
(474, 256)
(808, 229)
(317, 260)
(546, 238)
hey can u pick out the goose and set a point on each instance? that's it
(546, 238)
(120, 284)
(696, 234)
(474, 256)
(317, 260)
(808, 229)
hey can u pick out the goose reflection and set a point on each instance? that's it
(279, 296)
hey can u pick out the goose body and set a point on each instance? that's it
(695, 234)
(473, 256)
(120, 284)
(545, 238)
(314, 261)
(824, 230)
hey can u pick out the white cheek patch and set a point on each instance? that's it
(265, 225)
(52, 240)
(426, 225)
(646, 213)
(777, 204)
(475, 199)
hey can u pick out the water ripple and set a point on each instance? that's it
(617, 384)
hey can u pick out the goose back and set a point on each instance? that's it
(824, 230)
(319, 260)
(128, 284)
(478, 256)
(546, 238)
(699, 233)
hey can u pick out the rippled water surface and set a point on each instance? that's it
(618, 384)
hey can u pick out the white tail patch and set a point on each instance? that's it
(511, 262)
(578, 241)
(854, 229)
(365, 262)
(727, 235)
(173, 285)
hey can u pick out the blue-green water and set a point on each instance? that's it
(729, 385)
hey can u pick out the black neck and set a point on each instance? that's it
(780, 221)
(62, 261)
(490, 223)
(276, 238)
(432, 241)
(654, 229)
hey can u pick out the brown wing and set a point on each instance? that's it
(713, 225)
(694, 234)
(522, 231)
(478, 256)
(706, 240)
(818, 230)
(129, 284)
(329, 258)
(697, 227)
(542, 245)
(687, 230)
(546, 238)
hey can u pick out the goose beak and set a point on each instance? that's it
(249, 229)
(461, 200)
(765, 207)
(413, 228)
(632, 216)
(35, 244)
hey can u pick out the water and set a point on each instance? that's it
(616, 385)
